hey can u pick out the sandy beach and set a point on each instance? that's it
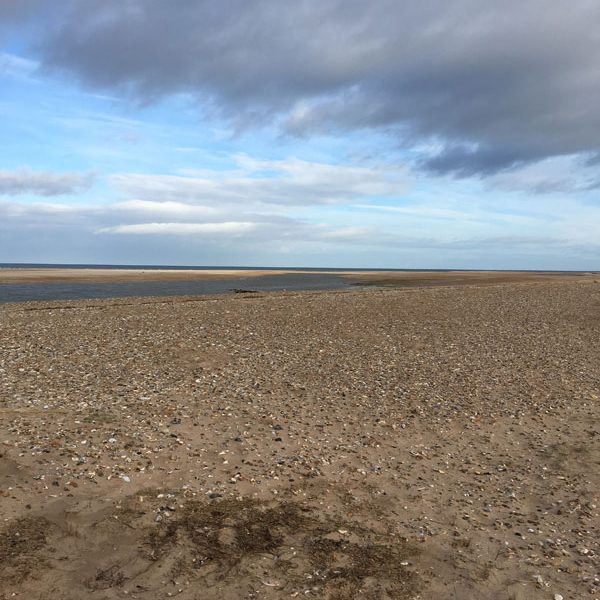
(413, 440)
(10, 275)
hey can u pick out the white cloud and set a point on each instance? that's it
(290, 182)
(473, 214)
(558, 175)
(50, 232)
(349, 234)
(16, 66)
(16, 209)
(174, 209)
(265, 208)
(229, 227)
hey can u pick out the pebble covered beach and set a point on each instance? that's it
(426, 442)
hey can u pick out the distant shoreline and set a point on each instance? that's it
(269, 268)
(21, 273)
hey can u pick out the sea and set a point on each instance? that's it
(309, 279)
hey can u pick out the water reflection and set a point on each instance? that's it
(81, 291)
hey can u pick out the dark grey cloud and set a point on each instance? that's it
(488, 84)
(593, 160)
(30, 17)
(26, 181)
(13, 10)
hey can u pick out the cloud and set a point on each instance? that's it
(290, 182)
(51, 232)
(16, 66)
(228, 228)
(15, 10)
(471, 214)
(43, 183)
(560, 175)
(493, 85)
(166, 208)
(16, 209)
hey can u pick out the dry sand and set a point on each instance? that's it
(61, 275)
(438, 442)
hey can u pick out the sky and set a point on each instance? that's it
(324, 133)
